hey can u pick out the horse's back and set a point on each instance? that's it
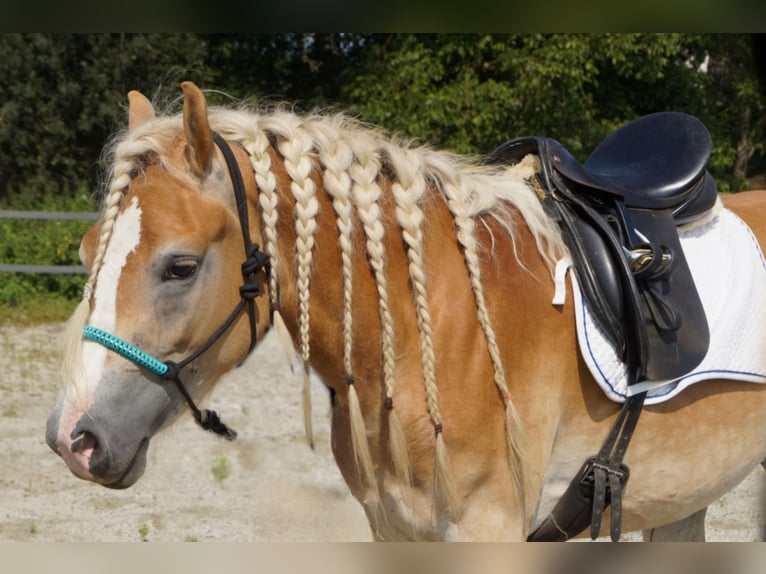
(750, 206)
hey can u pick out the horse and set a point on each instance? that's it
(415, 282)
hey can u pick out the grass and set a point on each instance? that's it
(143, 532)
(221, 468)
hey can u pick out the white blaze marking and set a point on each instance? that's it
(125, 239)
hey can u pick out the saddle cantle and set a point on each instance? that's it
(618, 213)
(655, 162)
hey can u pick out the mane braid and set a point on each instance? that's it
(295, 146)
(336, 157)
(366, 193)
(246, 130)
(258, 148)
(256, 143)
(408, 189)
(458, 200)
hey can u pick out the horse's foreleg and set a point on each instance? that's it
(690, 529)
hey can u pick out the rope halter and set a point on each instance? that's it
(255, 262)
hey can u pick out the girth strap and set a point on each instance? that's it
(599, 483)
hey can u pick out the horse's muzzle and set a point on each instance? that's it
(104, 438)
(91, 454)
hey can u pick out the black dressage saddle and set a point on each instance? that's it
(618, 212)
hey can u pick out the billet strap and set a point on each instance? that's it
(609, 472)
(600, 482)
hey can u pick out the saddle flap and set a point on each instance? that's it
(641, 292)
(671, 353)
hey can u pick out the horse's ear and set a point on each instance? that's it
(199, 136)
(140, 110)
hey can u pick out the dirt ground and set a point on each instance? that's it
(265, 486)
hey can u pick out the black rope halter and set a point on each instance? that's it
(255, 262)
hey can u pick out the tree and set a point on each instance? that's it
(471, 92)
(739, 102)
(62, 96)
(302, 68)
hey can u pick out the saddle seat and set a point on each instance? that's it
(658, 161)
(655, 162)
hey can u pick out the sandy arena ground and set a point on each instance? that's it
(276, 488)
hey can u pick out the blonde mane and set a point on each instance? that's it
(351, 156)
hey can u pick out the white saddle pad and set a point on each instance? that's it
(730, 274)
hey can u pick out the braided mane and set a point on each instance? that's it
(352, 156)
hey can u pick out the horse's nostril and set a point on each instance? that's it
(84, 442)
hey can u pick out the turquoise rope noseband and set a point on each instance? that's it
(256, 261)
(130, 352)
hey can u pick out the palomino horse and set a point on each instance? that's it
(417, 285)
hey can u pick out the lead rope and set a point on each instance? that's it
(255, 261)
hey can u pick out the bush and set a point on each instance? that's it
(42, 242)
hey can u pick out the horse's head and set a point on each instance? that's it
(165, 262)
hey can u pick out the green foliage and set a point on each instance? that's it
(143, 532)
(300, 68)
(42, 242)
(470, 93)
(63, 95)
(221, 468)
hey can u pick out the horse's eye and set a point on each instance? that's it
(181, 268)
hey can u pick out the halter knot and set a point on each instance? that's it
(256, 260)
(210, 421)
(172, 373)
(249, 291)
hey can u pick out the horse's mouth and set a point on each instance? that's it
(134, 470)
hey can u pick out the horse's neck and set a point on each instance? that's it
(390, 286)
(354, 300)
